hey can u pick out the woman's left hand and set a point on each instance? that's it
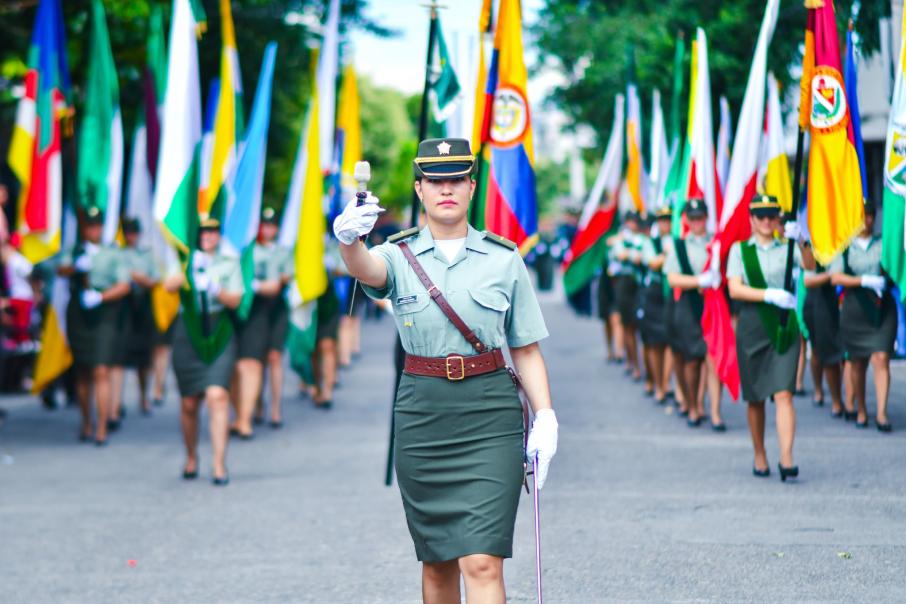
(542, 441)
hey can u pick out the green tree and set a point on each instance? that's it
(595, 59)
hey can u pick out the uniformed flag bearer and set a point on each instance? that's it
(98, 282)
(458, 419)
(767, 334)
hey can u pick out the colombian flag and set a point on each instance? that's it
(835, 213)
(506, 201)
(34, 152)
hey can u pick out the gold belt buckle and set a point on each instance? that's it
(462, 368)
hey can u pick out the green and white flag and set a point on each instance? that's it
(176, 190)
(100, 171)
(445, 90)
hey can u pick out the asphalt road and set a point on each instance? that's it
(638, 507)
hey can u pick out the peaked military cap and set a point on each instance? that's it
(663, 212)
(631, 215)
(132, 225)
(695, 208)
(209, 223)
(440, 158)
(269, 216)
(764, 206)
(93, 215)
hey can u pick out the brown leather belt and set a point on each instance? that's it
(455, 367)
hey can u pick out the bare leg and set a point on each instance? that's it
(714, 392)
(440, 582)
(650, 378)
(275, 371)
(616, 328)
(817, 374)
(800, 367)
(857, 376)
(692, 371)
(83, 395)
(327, 353)
(630, 345)
(101, 374)
(160, 363)
(786, 426)
(680, 394)
(218, 400)
(850, 403)
(833, 374)
(756, 428)
(142, 373)
(483, 576)
(702, 383)
(188, 420)
(880, 363)
(250, 373)
(344, 341)
(669, 367)
(117, 375)
(661, 378)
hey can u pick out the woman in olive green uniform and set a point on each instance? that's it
(215, 290)
(98, 280)
(625, 268)
(868, 321)
(654, 303)
(458, 420)
(766, 346)
(684, 266)
(265, 328)
(822, 317)
(138, 327)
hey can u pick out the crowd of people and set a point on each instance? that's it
(112, 327)
(651, 297)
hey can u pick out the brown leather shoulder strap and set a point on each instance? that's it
(439, 299)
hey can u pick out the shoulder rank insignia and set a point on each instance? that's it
(396, 237)
(499, 240)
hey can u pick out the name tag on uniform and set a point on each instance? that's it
(406, 299)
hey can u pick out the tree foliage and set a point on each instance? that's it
(589, 40)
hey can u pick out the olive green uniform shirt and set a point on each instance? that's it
(771, 257)
(108, 265)
(268, 260)
(631, 244)
(696, 249)
(224, 270)
(864, 258)
(487, 285)
(140, 260)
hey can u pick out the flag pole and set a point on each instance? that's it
(481, 173)
(399, 354)
(791, 244)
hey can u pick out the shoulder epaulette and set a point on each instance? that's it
(402, 235)
(499, 240)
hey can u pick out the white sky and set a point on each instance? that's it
(399, 62)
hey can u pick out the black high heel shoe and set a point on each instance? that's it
(791, 472)
(838, 414)
(884, 427)
(761, 473)
(221, 482)
(850, 415)
(187, 475)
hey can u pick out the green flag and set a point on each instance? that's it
(445, 90)
(100, 169)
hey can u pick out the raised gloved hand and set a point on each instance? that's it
(708, 279)
(792, 230)
(91, 298)
(780, 298)
(357, 220)
(83, 263)
(876, 283)
(542, 440)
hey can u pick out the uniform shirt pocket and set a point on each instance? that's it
(487, 315)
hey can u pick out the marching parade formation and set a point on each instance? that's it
(716, 275)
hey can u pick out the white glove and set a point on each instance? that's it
(202, 281)
(293, 297)
(83, 263)
(213, 288)
(707, 280)
(792, 230)
(91, 298)
(356, 221)
(542, 440)
(780, 298)
(256, 285)
(876, 283)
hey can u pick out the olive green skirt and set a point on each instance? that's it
(626, 298)
(138, 331)
(861, 338)
(95, 336)
(459, 463)
(822, 317)
(686, 337)
(194, 376)
(762, 370)
(653, 319)
(265, 329)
